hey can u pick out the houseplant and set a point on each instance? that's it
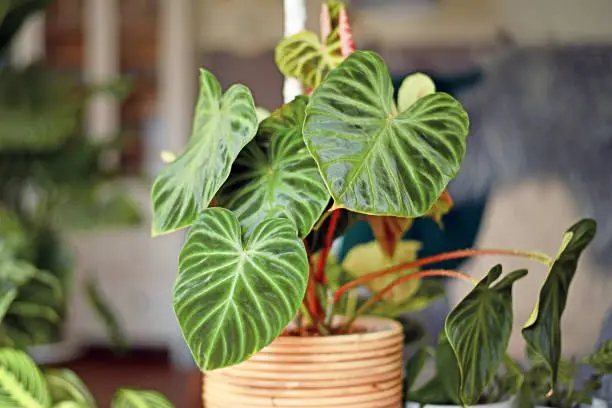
(265, 202)
(52, 178)
(471, 362)
(24, 385)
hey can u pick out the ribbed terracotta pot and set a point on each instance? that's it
(356, 370)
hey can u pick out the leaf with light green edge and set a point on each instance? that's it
(22, 385)
(30, 309)
(478, 330)
(17, 272)
(413, 87)
(601, 359)
(275, 176)
(429, 291)
(262, 113)
(222, 126)
(373, 159)
(65, 385)
(415, 365)
(70, 404)
(130, 398)
(302, 56)
(235, 293)
(8, 293)
(369, 257)
(542, 332)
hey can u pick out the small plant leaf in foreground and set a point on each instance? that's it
(130, 398)
(22, 385)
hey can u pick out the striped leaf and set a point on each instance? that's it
(33, 309)
(22, 385)
(276, 176)
(222, 126)
(65, 385)
(413, 87)
(235, 293)
(129, 398)
(373, 159)
(302, 56)
(542, 332)
(478, 330)
(70, 404)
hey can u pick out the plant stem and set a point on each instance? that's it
(329, 239)
(416, 275)
(465, 253)
(311, 300)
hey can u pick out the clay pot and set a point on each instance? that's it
(356, 370)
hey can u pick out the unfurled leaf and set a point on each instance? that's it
(440, 208)
(304, 57)
(414, 365)
(388, 231)
(65, 385)
(413, 87)
(373, 159)
(105, 313)
(129, 398)
(429, 291)
(275, 176)
(542, 332)
(222, 126)
(235, 293)
(22, 385)
(478, 330)
(366, 258)
(601, 360)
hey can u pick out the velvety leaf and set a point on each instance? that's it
(101, 307)
(302, 56)
(275, 176)
(414, 365)
(22, 385)
(222, 126)
(478, 330)
(441, 207)
(373, 159)
(65, 385)
(388, 231)
(128, 398)
(542, 332)
(235, 293)
(429, 291)
(413, 87)
(369, 257)
(601, 360)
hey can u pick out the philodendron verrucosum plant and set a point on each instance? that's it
(264, 201)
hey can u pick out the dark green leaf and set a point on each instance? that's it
(430, 393)
(478, 330)
(14, 240)
(103, 310)
(542, 332)
(601, 360)
(15, 15)
(275, 176)
(235, 293)
(414, 365)
(373, 159)
(448, 369)
(222, 126)
(8, 292)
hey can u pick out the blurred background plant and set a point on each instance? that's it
(53, 178)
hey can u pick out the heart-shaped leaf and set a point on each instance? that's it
(129, 398)
(478, 330)
(65, 385)
(302, 56)
(275, 175)
(373, 159)
(235, 293)
(413, 87)
(222, 126)
(366, 258)
(22, 385)
(542, 332)
(601, 360)
(388, 231)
